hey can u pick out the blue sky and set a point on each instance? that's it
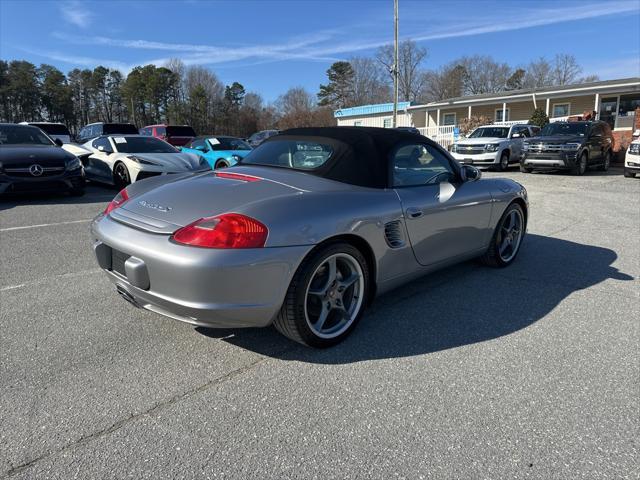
(269, 46)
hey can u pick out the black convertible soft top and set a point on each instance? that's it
(360, 154)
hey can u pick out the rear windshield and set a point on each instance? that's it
(180, 131)
(228, 143)
(123, 128)
(52, 128)
(22, 135)
(295, 154)
(495, 132)
(142, 145)
(561, 128)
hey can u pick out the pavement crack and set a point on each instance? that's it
(125, 421)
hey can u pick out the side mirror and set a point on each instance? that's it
(201, 148)
(58, 142)
(104, 150)
(470, 173)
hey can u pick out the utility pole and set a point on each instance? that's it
(395, 63)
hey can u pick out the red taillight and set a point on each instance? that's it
(117, 201)
(237, 176)
(230, 230)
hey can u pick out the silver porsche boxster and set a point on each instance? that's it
(305, 231)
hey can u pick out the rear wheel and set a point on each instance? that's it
(326, 297)
(606, 162)
(121, 176)
(221, 163)
(507, 238)
(581, 165)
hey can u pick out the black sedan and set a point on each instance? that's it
(31, 162)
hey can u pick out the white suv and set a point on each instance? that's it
(493, 145)
(632, 159)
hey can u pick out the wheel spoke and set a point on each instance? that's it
(503, 247)
(350, 280)
(324, 313)
(331, 277)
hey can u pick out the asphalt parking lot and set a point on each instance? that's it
(528, 372)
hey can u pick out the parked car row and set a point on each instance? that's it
(572, 146)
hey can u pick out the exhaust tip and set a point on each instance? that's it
(127, 296)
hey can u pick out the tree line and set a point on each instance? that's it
(366, 80)
(174, 93)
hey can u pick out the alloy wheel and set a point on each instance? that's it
(510, 235)
(334, 295)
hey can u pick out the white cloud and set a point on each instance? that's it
(76, 13)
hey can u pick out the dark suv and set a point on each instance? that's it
(573, 146)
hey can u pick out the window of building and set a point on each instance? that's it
(357, 123)
(561, 110)
(499, 115)
(449, 119)
(386, 123)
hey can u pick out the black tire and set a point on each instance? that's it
(292, 322)
(524, 169)
(581, 165)
(629, 174)
(492, 257)
(221, 163)
(606, 162)
(504, 162)
(121, 177)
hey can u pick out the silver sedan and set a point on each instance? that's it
(305, 231)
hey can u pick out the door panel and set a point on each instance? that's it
(447, 220)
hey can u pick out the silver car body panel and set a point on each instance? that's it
(241, 288)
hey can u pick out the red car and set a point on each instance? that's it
(177, 135)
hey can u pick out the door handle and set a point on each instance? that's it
(413, 212)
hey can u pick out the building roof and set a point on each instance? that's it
(370, 109)
(526, 92)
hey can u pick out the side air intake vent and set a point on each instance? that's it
(393, 234)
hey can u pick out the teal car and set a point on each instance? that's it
(219, 151)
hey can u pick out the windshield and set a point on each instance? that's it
(228, 143)
(562, 128)
(173, 131)
(52, 128)
(296, 154)
(142, 145)
(23, 135)
(122, 128)
(496, 132)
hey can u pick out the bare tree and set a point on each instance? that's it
(446, 82)
(565, 69)
(410, 78)
(369, 82)
(484, 75)
(539, 73)
(295, 107)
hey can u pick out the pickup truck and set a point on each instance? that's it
(493, 146)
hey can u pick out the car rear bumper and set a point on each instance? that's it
(200, 286)
(45, 184)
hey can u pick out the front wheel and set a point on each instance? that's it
(221, 164)
(121, 177)
(629, 173)
(326, 297)
(581, 165)
(504, 162)
(506, 239)
(524, 169)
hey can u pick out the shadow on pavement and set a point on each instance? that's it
(94, 193)
(459, 306)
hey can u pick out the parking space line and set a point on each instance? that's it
(10, 229)
(46, 279)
